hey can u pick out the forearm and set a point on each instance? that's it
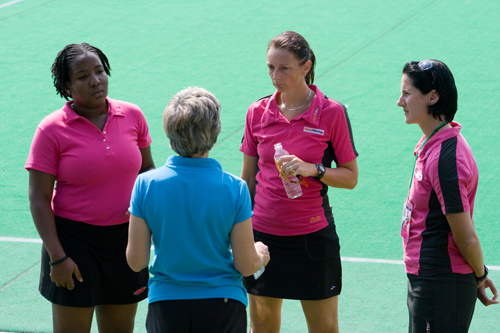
(43, 217)
(473, 254)
(139, 243)
(340, 177)
(467, 241)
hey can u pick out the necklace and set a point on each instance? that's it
(300, 107)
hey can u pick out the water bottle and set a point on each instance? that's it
(257, 274)
(292, 188)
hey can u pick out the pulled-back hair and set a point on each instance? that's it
(438, 76)
(191, 121)
(297, 45)
(60, 67)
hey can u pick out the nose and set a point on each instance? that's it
(95, 81)
(400, 101)
(274, 74)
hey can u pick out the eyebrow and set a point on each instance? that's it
(84, 70)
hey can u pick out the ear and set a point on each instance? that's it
(67, 88)
(433, 97)
(306, 67)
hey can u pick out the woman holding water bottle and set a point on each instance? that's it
(292, 137)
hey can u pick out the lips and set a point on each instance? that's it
(98, 93)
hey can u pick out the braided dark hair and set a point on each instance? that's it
(60, 67)
(296, 44)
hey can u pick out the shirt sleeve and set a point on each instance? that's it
(244, 211)
(143, 136)
(44, 153)
(450, 180)
(249, 142)
(342, 138)
(135, 200)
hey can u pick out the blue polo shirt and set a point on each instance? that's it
(191, 206)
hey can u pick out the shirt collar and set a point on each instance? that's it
(437, 138)
(114, 109)
(176, 161)
(312, 115)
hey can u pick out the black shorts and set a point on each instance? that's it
(99, 253)
(441, 303)
(305, 267)
(217, 315)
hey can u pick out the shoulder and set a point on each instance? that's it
(126, 108)
(260, 104)
(234, 181)
(333, 106)
(53, 120)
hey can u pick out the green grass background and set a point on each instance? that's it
(157, 48)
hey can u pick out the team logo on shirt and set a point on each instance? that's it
(315, 114)
(315, 219)
(314, 130)
(418, 174)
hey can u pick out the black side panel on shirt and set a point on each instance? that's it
(328, 157)
(448, 176)
(348, 126)
(434, 257)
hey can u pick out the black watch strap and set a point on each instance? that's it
(482, 278)
(321, 171)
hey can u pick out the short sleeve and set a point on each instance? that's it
(44, 153)
(249, 143)
(341, 137)
(135, 200)
(244, 211)
(143, 136)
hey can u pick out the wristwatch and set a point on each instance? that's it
(321, 171)
(482, 278)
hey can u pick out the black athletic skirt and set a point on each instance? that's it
(305, 267)
(99, 253)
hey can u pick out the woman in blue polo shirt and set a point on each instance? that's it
(199, 218)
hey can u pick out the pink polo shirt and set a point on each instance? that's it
(95, 171)
(322, 134)
(444, 182)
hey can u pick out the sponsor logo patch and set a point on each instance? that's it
(314, 130)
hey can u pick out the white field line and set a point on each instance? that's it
(10, 3)
(363, 260)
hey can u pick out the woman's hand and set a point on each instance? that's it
(62, 274)
(481, 292)
(344, 175)
(263, 252)
(294, 166)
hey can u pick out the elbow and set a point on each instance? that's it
(467, 245)
(136, 264)
(352, 184)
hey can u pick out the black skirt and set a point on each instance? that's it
(304, 267)
(99, 253)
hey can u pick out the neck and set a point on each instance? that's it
(200, 155)
(295, 99)
(429, 127)
(90, 112)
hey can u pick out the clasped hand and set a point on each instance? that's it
(62, 274)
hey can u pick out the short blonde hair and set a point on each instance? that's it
(191, 121)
